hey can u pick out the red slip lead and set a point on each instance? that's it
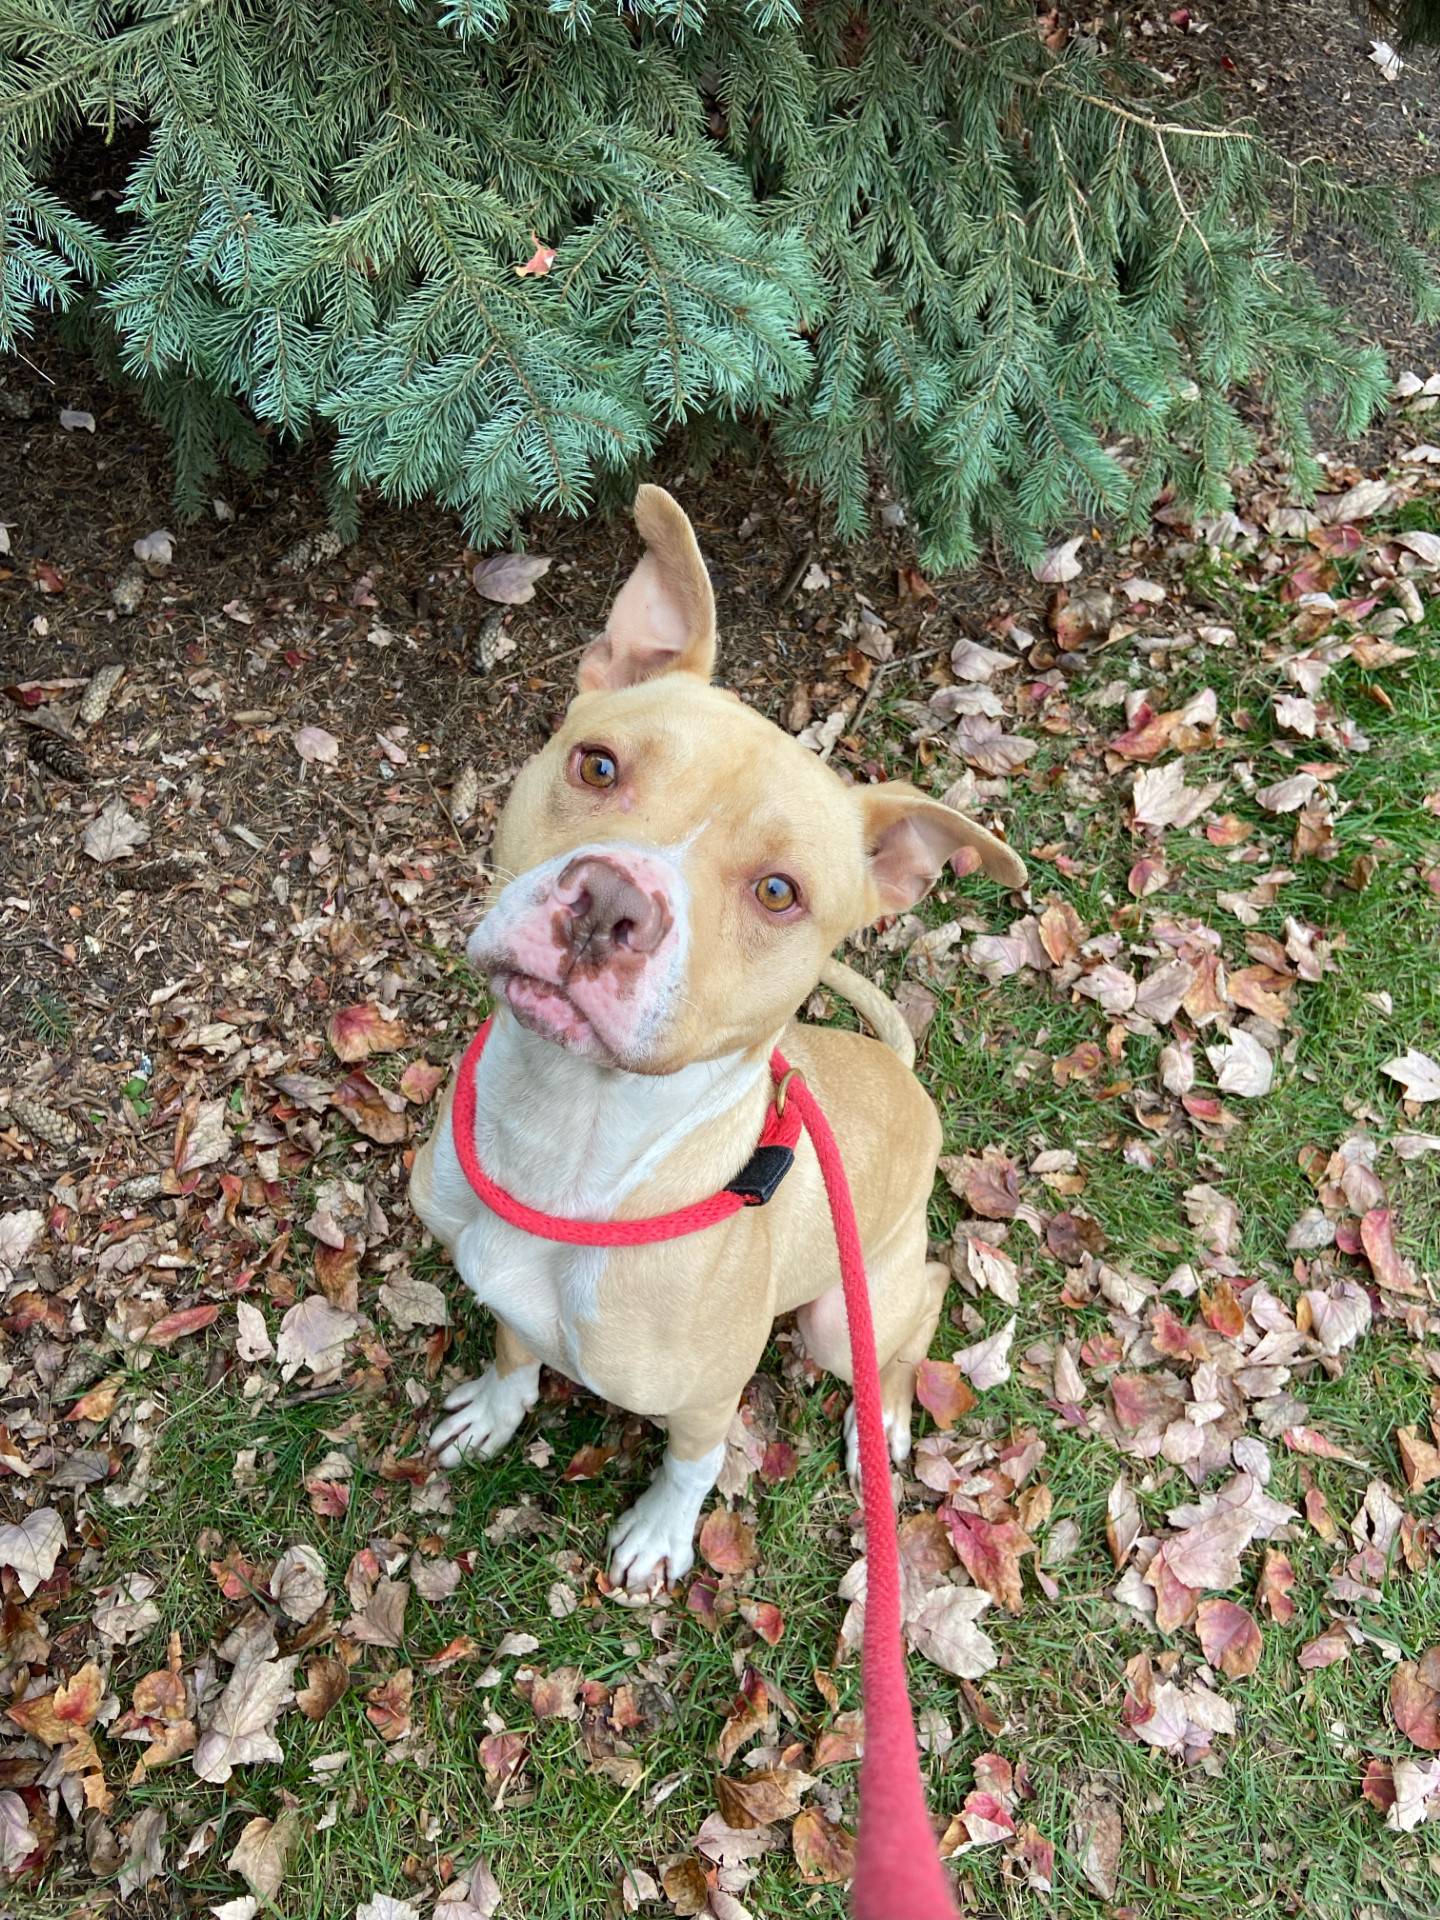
(898, 1875)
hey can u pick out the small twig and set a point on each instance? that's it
(895, 660)
(306, 1396)
(799, 567)
(550, 660)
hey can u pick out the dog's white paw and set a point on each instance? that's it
(652, 1544)
(897, 1439)
(482, 1415)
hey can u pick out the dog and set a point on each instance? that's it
(677, 872)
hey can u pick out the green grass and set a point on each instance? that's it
(1276, 1826)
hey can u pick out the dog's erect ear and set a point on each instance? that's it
(909, 837)
(663, 620)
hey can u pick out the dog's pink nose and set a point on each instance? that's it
(606, 911)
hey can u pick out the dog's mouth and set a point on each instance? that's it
(547, 1010)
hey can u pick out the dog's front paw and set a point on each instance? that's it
(897, 1439)
(652, 1544)
(482, 1415)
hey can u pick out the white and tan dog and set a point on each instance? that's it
(681, 871)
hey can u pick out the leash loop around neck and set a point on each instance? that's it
(898, 1875)
(752, 1186)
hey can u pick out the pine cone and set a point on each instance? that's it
(465, 794)
(97, 695)
(44, 1123)
(58, 755)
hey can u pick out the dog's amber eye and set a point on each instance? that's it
(597, 768)
(776, 894)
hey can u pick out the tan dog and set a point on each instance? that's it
(678, 872)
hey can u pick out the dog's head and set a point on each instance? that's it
(682, 868)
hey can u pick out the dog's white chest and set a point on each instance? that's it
(566, 1142)
(544, 1292)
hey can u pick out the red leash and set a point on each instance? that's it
(898, 1875)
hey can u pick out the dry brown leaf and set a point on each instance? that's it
(31, 1548)
(944, 1629)
(727, 1542)
(358, 1031)
(259, 1855)
(1415, 1699)
(327, 1679)
(766, 1795)
(824, 1851)
(943, 1391)
(1229, 1637)
(241, 1727)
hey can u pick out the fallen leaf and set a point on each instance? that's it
(317, 744)
(419, 1081)
(943, 1629)
(509, 578)
(727, 1542)
(1207, 1555)
(327, 1679)
(1325, 1650)
(536, 267)
(241, 1727)
(380, 1622)
(1377, 1237)
(157, 548)
(943, 1391)
(409, 1303)
(1415, 1699)
(1059, 564)
(114, 832)
(145, 1857)
(32, 1547)
(388, 1705)
(382, 1907)
(298, 1583)
(1096, 1837)
(1419, 1457)
(373, 1110)
(357, 1032)
(259, 1855)
(476, 1897)
(748, 1714)
(987, 1363)
(1160, 797)
(1243, 1067)
(1277, 1577)
(1287, 796)
(1229, 1637)
(19, 1232)
(175, 1326)
(991, 1551)
(18, 1839)
(314, 1334)
(824, 1850)
(1417, 1073)
(766, 1795)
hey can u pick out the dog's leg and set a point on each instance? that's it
(906, 1317)
(652, 1544)
(482, 1415)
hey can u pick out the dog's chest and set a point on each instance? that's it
(546, 1293)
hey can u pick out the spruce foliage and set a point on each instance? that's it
(1014, 283)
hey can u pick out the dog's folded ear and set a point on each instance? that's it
(663, 619)
(909, 837)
